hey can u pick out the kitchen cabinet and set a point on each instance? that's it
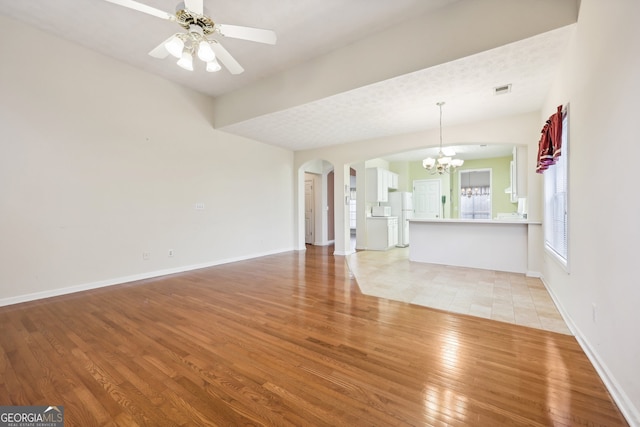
(378, 183)
(393, 180)
(382, 233)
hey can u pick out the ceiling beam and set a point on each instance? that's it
(463, 28)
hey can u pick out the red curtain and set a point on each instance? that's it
(550, 145)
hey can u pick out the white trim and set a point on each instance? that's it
(325, 243)
(344, 253)
(126, 279)
(625, 405)
(562, 262)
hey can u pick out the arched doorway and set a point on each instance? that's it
(332, 205)
(316, 209)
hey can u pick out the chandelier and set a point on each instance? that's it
(443, 163)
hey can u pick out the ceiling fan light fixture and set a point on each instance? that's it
(186, 61)
(175, 46)
(213, 66)
(190, 16)
(205, 53)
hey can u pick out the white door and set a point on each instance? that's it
(426, 198)
(309, 201)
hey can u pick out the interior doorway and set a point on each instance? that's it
(331, 232)
(309, 208)
(316, 223)
(324, 221)
(353, 208)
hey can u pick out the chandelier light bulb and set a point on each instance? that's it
(175, 47)
(186, 61)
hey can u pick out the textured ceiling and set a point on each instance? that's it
(308, 29)
(407, 103)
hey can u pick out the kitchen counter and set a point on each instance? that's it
(500, 245)
(478, 221)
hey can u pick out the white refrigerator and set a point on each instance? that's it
(402, 206)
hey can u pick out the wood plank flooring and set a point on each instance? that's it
(286, 340)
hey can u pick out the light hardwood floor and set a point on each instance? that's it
(287, 340)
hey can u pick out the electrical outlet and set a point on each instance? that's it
(146, 256)
(593, 312)
(200, 206)
(170, 253)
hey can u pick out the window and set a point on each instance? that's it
(555, 202)
(475, 194)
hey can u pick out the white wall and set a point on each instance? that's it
(600, 82)
(100, 162)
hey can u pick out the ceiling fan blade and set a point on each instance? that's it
(225, 57)
(247, 33)
(160, 51)
(194, 6)
(143, 8)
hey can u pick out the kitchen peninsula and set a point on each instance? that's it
(500, 245)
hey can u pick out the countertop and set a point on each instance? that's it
(475, 221)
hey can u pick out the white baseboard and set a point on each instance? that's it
(344, 253)
(126, 279)
(325, 243)
(626, 406)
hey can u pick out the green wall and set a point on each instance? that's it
(500, 180)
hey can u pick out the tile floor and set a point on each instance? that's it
(506, 297)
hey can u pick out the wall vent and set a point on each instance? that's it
(501, 90)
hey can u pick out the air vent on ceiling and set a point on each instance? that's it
(501, 90)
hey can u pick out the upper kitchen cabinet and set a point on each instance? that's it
(393, 180)
(378, 183)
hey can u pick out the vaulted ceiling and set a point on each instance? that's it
(342, 70)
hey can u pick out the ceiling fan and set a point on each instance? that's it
(190, 16)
